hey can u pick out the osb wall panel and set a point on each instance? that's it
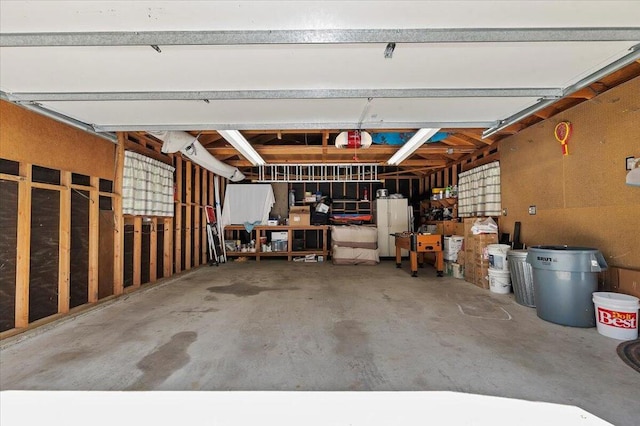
(582, 198)
(29, 137)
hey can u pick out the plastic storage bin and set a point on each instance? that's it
(564, 279)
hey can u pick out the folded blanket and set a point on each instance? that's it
(250, 225)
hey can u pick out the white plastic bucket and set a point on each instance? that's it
(452, 245)
(499, 281)
(458, 271)
(498, 256)
(616, 315)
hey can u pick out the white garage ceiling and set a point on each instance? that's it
(463, 66)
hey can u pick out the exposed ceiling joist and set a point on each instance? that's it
(630, 58)
(266, 150)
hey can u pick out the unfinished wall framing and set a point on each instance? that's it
(56, 223)
(64, 242)
(448, 176)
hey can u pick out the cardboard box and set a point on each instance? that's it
(446, 227)
(626, 281)
(299, 215)
(482, 278)
(467, 224)
(480, 243)
(462, 258)
(279, 236)
(469, 272)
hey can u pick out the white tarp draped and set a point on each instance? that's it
(479, 191)
(147, 186)
(249, 203)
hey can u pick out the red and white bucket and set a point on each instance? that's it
(616, 315)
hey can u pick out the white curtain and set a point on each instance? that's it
(147, 186)
(247, 204)
(479, 191)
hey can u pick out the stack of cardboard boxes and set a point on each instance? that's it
(476, 256)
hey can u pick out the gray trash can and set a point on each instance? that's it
(521, 277)
(564, 279)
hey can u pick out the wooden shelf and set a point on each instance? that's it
(345, 206)
(261, 231)
(444, 202)
(447, 227)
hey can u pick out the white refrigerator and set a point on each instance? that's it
(391, 216)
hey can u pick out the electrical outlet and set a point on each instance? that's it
(532, 209)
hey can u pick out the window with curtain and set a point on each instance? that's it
(479, 191)
(147, 186)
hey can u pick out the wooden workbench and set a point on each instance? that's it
(230, 232)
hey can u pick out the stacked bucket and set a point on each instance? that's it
(499, 274)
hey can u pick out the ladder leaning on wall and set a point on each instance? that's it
(215, 250)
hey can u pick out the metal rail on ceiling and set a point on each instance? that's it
(320, 36)
(211, 95)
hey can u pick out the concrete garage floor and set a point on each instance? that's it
(277, 325)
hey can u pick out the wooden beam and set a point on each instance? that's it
(94, 241)
(118, 219)
(177, 236)
(454, 174)
(148, 152)
(204, 189)
(197, 215)
(325, 145)
(64, 244)
(167, 261)
(584, 93)
(418, 171)
(153, 250)
(188, 237)
(23, 247)
(460, 139)
(473, 137)
(423, 163)
(479, 161)
(316, 150)
(147, 140)
(137, 251)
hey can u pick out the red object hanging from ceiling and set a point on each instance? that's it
(354, 139)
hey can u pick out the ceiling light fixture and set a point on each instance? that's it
(411, 146)
(238, 141)
(388, 51)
